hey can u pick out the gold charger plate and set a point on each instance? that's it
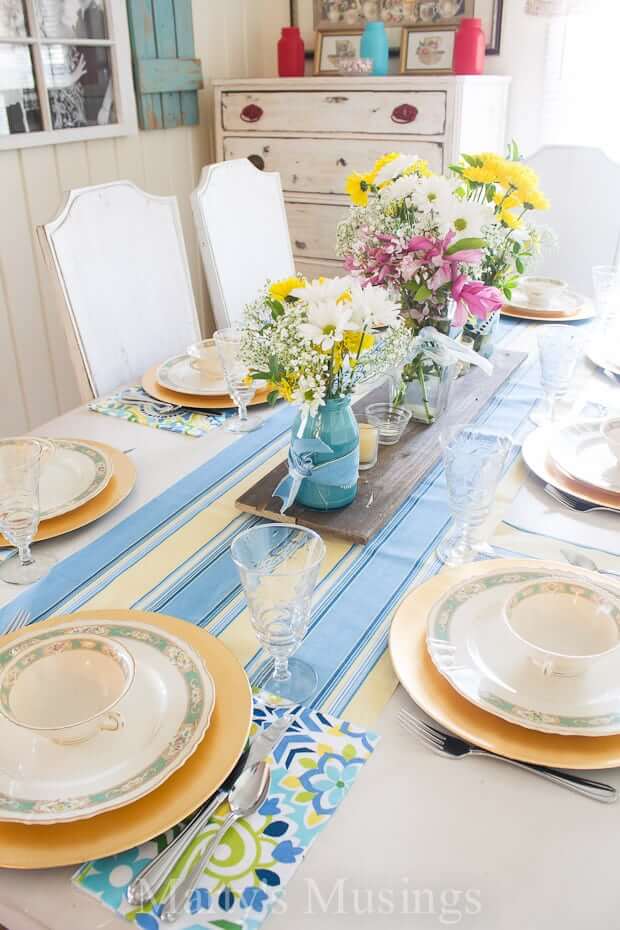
(212, 402)
(585, 312)
(535, 452)
(120, 485)
(29, 846)
(423, 683)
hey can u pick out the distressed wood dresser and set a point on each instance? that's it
(316, 131)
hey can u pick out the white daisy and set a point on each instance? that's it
(395, 167)
(401, 188)
(322, 289)
(433, 193)
(372, 306)
(327, 321)
(468, 219)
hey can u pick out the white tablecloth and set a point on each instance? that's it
(420, 842)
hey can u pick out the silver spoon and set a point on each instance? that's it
(246, 797)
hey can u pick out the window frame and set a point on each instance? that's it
(122, 82)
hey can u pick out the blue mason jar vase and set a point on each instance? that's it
(336, 425)
(375, 45)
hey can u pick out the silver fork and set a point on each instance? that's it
(20, 619)
(452, 747)
(574, 503)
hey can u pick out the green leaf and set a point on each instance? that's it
(519, 266)
(261, 375)
(272, 397)
(516, 247)
(462, 244)
(458, 169)
(472, 160)
(422, 293)
(490, 194)
(507, 292)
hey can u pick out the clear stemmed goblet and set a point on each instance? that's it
(20, 468)
(238, 381)
(558, 347)
(474, 459)
(279, 567)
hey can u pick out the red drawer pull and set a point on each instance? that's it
(405, 113)
(252, 113)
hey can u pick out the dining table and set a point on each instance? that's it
(420, 841)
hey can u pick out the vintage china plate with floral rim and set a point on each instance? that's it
(582, 452)
(472, 646)
(537, 457)
(166, 712)
(75, 473)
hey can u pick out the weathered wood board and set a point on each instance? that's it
(399, 469)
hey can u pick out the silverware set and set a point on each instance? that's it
(17, 621)
(245, 790)
(452, 747)
(573, 503)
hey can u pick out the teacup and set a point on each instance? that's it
(566, 625)
(66, 690)
(543, 292)
(204, 358)
(611, 431)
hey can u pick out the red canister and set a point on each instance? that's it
(290, 53)
(469, 47)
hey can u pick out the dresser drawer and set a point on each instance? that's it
(313, 228)
(321, 166)
(420, 113)
(312, 269)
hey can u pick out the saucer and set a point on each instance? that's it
(472, 647)
(178, 374)
(166, 713)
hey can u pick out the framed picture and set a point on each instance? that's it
(425, 12)
(427, 51)
(331, 46)
(329, 15)
(490, 12)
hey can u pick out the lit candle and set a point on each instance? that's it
(369, 445)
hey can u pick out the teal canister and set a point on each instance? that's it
(335, 425)
(375, 45)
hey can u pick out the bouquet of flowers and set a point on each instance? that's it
(451, 247)
(314, 341)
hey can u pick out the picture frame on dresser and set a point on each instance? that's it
(331, 46)
(491, 13)
(427, 51)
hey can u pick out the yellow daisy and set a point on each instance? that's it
(357, 188)
(281, 289)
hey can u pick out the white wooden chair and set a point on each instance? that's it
(243, 232)
(583, 186)
(119, 258)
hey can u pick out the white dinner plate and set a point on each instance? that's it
(166, 713)
(570, 304)
(599, 355)
(581, 451)
(177, 374)
(574, 307)
(472, 647)
(73, 474)
(537, 457)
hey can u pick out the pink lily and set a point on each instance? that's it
(474, 297)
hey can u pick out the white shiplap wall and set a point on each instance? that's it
(235, 38)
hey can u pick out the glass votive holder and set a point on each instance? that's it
(369, 443)
(389, 420)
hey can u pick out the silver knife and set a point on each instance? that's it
(148, 882)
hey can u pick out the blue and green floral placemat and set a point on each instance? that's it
(187, 422)
(312, 770)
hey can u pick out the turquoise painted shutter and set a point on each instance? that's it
(166, 74)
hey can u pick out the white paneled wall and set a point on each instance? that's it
(234, 38)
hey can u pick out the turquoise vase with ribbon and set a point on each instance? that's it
(323, 459)
(375, 45)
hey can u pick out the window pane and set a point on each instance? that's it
(19, 102)
(79, 82)
(71, 19)
(12, 19)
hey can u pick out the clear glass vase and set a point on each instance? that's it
(422, 387)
